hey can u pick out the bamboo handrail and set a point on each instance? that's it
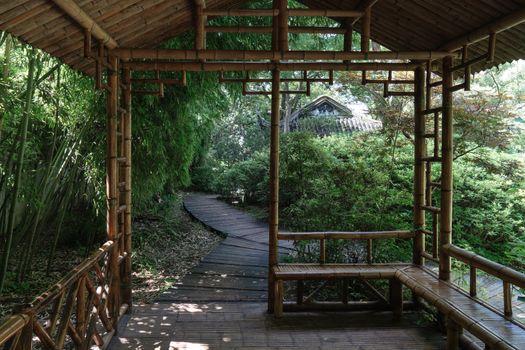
(497, 270)
(299, 236)
(12, 327)
(45, 298)
(181, 54)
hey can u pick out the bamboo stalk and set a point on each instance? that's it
(274, 188)
(20, 167)
(445, 235)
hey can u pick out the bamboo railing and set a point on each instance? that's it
(506, 274)
(362, 236)
(78, 311)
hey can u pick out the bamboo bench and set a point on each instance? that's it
(463, 311)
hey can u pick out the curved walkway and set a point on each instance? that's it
(221, 304)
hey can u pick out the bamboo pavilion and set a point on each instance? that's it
(112, 39)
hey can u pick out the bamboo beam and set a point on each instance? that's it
(445, 235)
(241, 13)
(513, 19)
(325, 13)
(259, 67)
(178, 54)
(274, 191)
(363, 5)
(159, 81)
(268, 29)
(86, 22)
(419, 165)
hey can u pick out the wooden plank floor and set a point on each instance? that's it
(221, 304)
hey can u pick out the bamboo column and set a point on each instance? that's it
(112, 188)
(200, 22)
(274, 185)
(445, 236)
(283, 25)
(126, 272)
(419, 166)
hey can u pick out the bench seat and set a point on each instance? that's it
(468, 313)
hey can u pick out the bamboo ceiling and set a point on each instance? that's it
(400, 25)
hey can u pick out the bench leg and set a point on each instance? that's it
(396, 297)
(453, 332)
(278, 302)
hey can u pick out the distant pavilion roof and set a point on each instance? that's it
(325, 116)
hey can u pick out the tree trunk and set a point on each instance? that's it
(19, 167)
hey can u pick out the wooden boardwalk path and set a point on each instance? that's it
(221, 304)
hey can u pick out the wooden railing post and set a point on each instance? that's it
(419, 165)
(445, 236)
(274, 185)
(112, 189)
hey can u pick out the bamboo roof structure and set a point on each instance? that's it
(441, 25)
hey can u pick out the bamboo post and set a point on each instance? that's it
(365, 35)
(200, 21)
(274, 185)
(396, 297)
(126, 275)
(322, 251)
(468, 68)
(369, 256)
(453, 332)
(419, 165)
(275, 27)
(25, 340)
(112, 188)
(279, 295)
(300, 292)
(283, 25)
(473, 282)
(507, 299)
(445, 236)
